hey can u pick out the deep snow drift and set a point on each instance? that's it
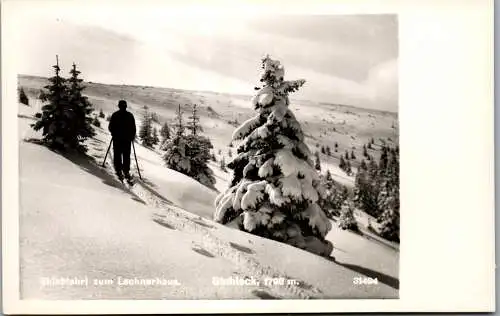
(76, 220)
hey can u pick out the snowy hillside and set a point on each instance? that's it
(323, 124)
(76, 220)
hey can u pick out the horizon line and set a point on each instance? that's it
(226, 93)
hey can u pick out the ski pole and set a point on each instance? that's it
(137, 165)
(107, 151)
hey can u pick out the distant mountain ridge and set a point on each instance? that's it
(235, 95)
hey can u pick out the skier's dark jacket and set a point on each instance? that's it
(122, 126)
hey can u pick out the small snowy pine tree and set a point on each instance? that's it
(223, 164)
(82, 108)
(198, 152)
(175, 148)
(328, 175)
(388, 198)
(275, 188)
(165, 132)
(101, 114)
(23, 98)
(96, 121)
(317, 162)
(346, 219)
(145, 133)
(189, 154)
(194, 123)
(155, 140)
(65, 120)
(348, 168)
(342, 163)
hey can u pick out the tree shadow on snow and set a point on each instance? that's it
(264, 295)
(203, 252)
(241, 248)
(91, 166)
(162, 223)
(147, 187)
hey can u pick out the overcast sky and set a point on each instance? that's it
(344, 59)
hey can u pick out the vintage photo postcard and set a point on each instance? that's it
(230, 157)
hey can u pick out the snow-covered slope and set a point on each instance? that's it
(323, 124)
(77, 221)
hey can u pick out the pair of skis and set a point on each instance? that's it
(130, 181)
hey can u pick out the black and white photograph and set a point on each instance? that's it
(194, 155)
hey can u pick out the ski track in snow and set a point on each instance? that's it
(176, 218)
(205, 235)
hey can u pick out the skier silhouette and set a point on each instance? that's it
(122, 128)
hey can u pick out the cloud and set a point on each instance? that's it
(382, 84)
(97, 51)
(345, 59)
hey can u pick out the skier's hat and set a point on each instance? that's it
(122, 104)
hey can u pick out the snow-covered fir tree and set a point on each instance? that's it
(335, 195)
(165, 132)
(81, 106)
(367, 189)
(275, 188)
(317, 162)
(23, 98)
(328, 175)
(348, 168)
(101, 114)
(342, 164)
(65, 119)
(194, 121)
(154, 136)
(388, 198)
(377, 191)
(223, 164)
(198, 152)
(346, 218)
(363, 165)
(175, 147)
(96, 122)
(189, 154)
(146, 131)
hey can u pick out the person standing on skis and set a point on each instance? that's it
(122, 128)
